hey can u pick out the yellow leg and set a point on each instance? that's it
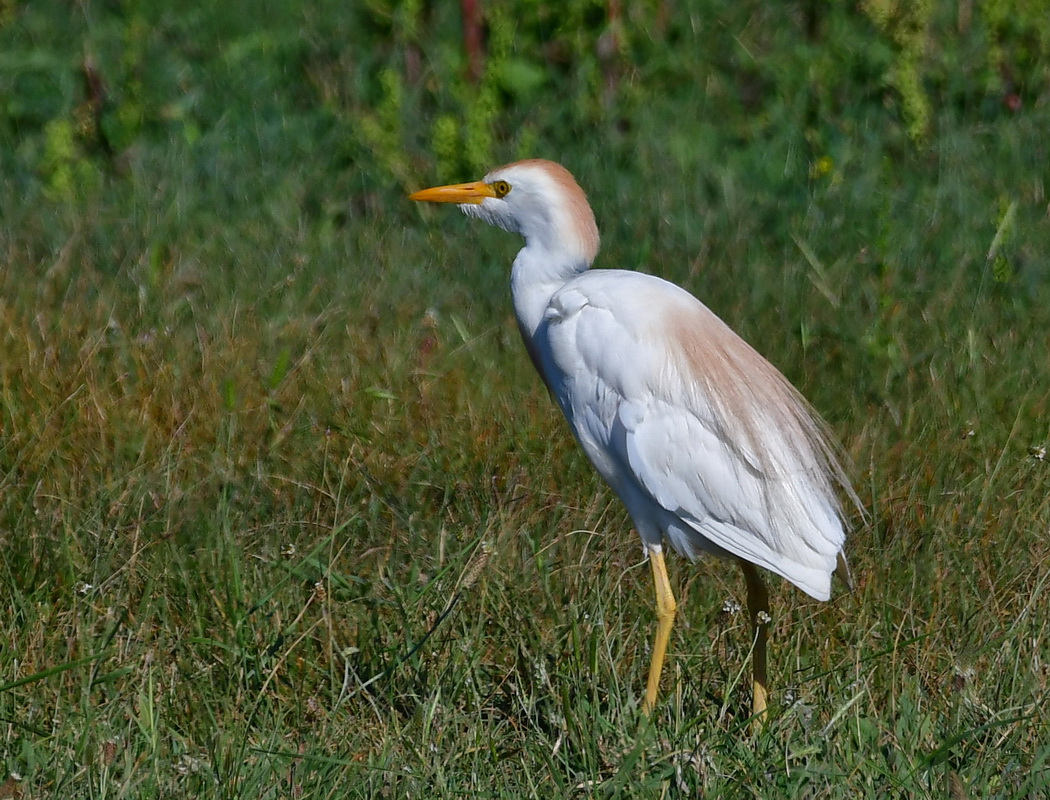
(758, 609)
(665, 608)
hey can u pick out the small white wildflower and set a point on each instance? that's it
(188, 765)
(731, 606)
(84, 588)
(763, 618)
(288, 550)
(1038, 452)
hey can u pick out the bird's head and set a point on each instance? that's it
(536, 198)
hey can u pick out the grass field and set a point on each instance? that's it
(284, 511)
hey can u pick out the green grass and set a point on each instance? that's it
(263, 423)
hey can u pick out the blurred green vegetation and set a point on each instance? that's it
(261, 418)
(385, 85)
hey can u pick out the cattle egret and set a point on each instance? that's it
(708, 445)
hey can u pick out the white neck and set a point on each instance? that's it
(536, 275)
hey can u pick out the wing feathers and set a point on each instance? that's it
(710, 432)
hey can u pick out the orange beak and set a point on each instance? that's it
(472, 193)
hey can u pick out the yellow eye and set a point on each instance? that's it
(500, 188)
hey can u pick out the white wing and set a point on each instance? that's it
(635, 363)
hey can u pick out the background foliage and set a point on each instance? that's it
(283, 511)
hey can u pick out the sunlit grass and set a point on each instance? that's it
(284, 511)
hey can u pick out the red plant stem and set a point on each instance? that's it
(472, 38)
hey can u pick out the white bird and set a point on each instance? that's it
(710, 448)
